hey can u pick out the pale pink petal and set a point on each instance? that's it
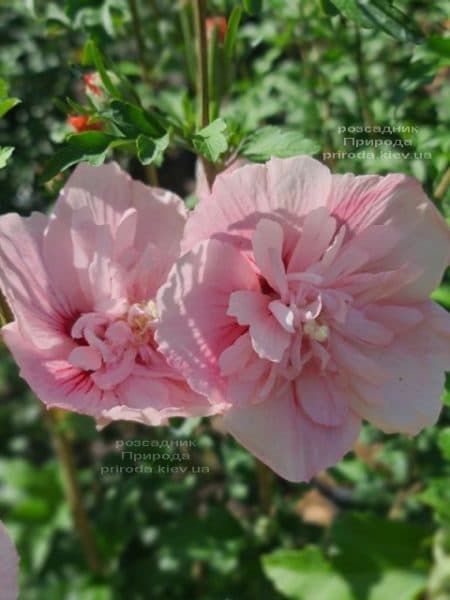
(416, 361)
(283, 314)
(108, 194)
(86, 358)
(362, 329)
(194, 327)
(9, 567)
(202, 189)
(353, 359)
(282, 436)
(267, 242)
(287, 189)
(400, 202)
(54, 380)
(151, 401)
(317, 232)
(236, 356)
(269, 338)
(25, 282)
(322, 398)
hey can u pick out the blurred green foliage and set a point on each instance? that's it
(377, 526)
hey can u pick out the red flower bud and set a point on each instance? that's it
(219, 23)
(81, 123)
(91, 80)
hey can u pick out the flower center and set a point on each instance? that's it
(317, 332)
(110, 348)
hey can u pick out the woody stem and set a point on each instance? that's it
(202, 77)
(74, 496)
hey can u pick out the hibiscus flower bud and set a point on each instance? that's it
(219, 23)
(81, 123)
(93, 83)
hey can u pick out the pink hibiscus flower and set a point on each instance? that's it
(301, 305)
(81, 284)
(9, 562)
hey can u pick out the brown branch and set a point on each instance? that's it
(74, 496)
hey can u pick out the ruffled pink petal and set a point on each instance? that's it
(399, 201)
(52, 378)
(281, 435)
(9, 567)
(152, 401)
(267, 242)
(416, 361)
(322, 398)
(194, 327)
(317, 233)
(269, 338)
(202, 189)
(25, 282)
(128, 212)
(288, 189)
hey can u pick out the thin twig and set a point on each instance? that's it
(442, 186)
(199, 7)
(151, 174)
(265, 479)
(64, 452)
(361, 82)
(136, 20)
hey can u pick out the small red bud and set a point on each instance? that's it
(81, 123)
(219, 23)
(91, 80)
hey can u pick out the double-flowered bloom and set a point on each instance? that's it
(301, 307)
(297, 307)
(82, 285)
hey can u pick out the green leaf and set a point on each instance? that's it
(211, 141)
(276, 141)
(442, 295)
(382, 15)
(437, 496)
(328, 8)
(3, 89)
(151, 151)
(5, 155)
(374, 553)
(7, 104)
(252, 6)
(134, 121)
(440, 45)
(232, 30)
(93, 56)
(191, 201)
(350, 10)
(391, 20)
(305, 575)
(89, 146)
(444, 442)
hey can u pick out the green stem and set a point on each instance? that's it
(265, 479)
(202, 76)
(442, 185)
(151, 174)
(138, 35)
(361, 83)
(74, 496)
(186, 31)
